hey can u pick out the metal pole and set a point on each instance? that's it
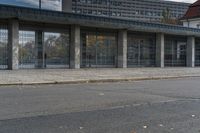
(75, 6)
(109, 6)
(40, 4)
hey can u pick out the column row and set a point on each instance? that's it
(140, 51)
(183, 50)
(132, 49)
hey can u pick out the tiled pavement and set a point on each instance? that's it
(34, 76)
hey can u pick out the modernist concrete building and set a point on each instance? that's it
(147, 10)
(33, 38)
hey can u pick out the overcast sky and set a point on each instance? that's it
(188, 1)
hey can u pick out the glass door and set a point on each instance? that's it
(134, 52)
(175, 52)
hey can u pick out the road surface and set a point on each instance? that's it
(160, 106)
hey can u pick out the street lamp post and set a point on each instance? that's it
(75, 6)
(109, 11)
(40, 4)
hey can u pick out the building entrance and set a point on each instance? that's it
(175, 51)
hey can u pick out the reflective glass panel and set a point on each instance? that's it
(56, 50)
(27, 53)
(141, 50)
(175, 51)
(197, 52)
(3, 48)
(98, 49)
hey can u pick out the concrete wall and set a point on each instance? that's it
(122, 49)
(191, 52)
(192, 23)
(75, 47)
(160, 50)
(13, 45)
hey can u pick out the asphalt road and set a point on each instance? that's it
(161, 106)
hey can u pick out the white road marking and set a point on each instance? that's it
(145, 127)
(101, 94)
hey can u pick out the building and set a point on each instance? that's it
(150, 10)
(192, 19)
(192, 16)
(32, 38)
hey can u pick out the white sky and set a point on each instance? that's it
(188, 1)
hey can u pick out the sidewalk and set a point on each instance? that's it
(51, 76)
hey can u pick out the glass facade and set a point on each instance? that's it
(98, 49)
(197, 52)
(54, 53)
(175, 51)
(27, 54)
(141, 50)
(145, 10)
(46, 4)
(3, 48)
(56, 50)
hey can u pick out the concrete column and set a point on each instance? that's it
(75, 47)
(13, 45)
(190, 52)
(39, 37)
(67, 5)
(160, 50)
(122, 49)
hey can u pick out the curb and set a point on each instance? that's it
(86, 81)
